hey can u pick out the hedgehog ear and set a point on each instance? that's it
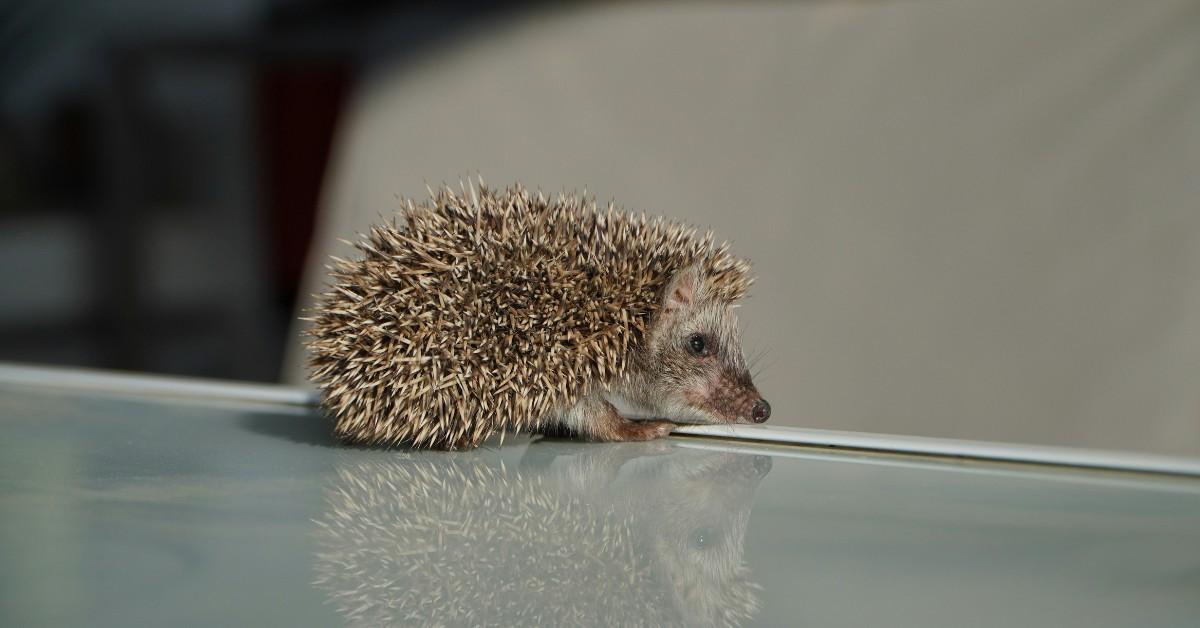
(684, 290)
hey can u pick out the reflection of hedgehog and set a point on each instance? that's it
(504, 310)
(461, 542)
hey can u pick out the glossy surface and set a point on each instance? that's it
(118, 511)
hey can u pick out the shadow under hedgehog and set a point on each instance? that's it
(508, 311)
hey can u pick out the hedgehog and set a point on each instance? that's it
(491, 311)
(465, 540)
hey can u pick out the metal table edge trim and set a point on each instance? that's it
(87, 380)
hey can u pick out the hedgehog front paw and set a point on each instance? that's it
(648, 430)
(596, 419)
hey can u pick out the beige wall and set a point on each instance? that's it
(969, 219)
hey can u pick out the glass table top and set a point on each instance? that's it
(126, 511)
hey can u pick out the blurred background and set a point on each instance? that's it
(969, 219)
(160, 165)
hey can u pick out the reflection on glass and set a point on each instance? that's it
(631, 534)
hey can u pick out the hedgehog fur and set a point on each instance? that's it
(489, 310)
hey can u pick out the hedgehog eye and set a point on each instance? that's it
(698, 345)
(701, 538)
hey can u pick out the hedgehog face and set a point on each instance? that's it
(711, 495)
(695, 367)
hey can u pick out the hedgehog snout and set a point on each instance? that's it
(761, 411)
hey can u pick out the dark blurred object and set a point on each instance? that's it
(160, 168)
(299, 104)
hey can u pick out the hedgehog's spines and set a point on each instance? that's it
(488, 310)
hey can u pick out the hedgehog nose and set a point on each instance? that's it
(762, 465)
(761, 411)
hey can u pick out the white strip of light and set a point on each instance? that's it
(948, 447)
(163, 386)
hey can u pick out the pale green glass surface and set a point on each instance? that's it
(118, 511)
